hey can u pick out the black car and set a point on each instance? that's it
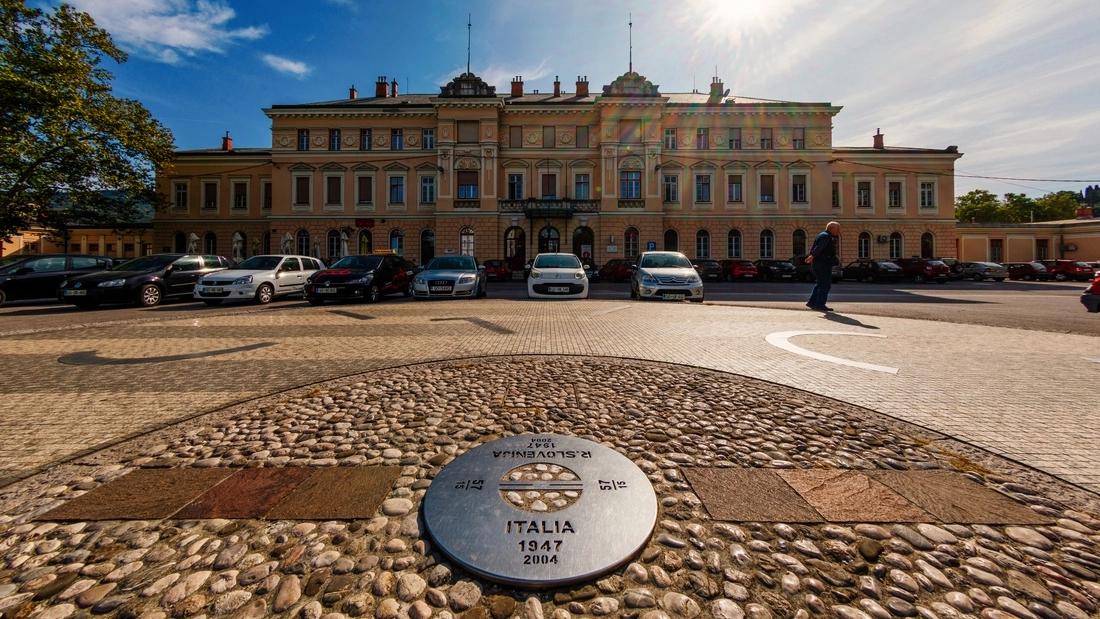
(591, 271)
(145, 281)
(775, 270)
(708, 270)
(361, 278)
(805, 273)
(873, 271)
(37, 277)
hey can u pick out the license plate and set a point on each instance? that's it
(211, 290)
(325, 290)
(748, 276)
(76, 293)
(785, 276)
(673, 297)
(439, 288)
(557, 289)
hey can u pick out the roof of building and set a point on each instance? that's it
(894, 150)
(533, 98)
(230, 152)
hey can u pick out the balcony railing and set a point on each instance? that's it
(536, 208)
(634, 204)
(467, 204)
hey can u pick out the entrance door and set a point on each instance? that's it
(515, 248)
(549, 240)
(583, 243)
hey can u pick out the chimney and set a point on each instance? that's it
(393, 88)
(717, 89)
(380, 87)
(557, 87)
(353, 93)
(517, 86)
(227, 142)
(582, 86)
(878, 140)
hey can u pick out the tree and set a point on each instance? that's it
(70, 151)
(977, 206)
(1019, 208)
(1056, 206)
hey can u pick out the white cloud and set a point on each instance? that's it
(501, 76)
(284, 65)
(169, 30)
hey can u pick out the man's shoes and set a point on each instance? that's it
(822, 308)
(811, 306)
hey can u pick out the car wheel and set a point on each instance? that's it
(264, 294)
(633, 293)
(998, 279)
(408, 291)
(977, 277)
(729, 277)
(86, 305)
(212, 302)
(149, 296)
(918, 278)
(483, 292)
(373, 294)
(315, 301)
(3, 297)
(1027, 278)
(1059, 277)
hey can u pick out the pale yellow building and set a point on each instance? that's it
(1072, 239)
(88, 240)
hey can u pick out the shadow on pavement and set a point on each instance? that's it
(846, 320)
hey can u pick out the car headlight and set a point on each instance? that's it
(112, 283)
(579, 275)
(467, 279)
(536, 274)
(649, 279)
(693, 278)
(366, 279)
(246, 279)
(419, 280)
(62, 284)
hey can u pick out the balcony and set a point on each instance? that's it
(536, 208)
(467, 205)
(631, 204)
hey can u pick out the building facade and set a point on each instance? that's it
(608, 175)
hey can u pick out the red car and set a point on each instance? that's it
(1091, 298)
(618, 269)
(497, 270)
(1069, 269)
(922, 270)
(1028, 271)
(739, 269)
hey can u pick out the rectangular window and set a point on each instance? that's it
(702, 187)
(863, 194)
(893, 194)
(427, 189)
(863, 246)
(301, 190)
(765, 138)
(467, 185)
(515, 137)
(240, 195)
(397, 139)
(365, 139)
(836, 194)
(582, 137)
(630, 185)
(735, 138)
(767, 188)
(334, 139)
(928, 196)
(366, 189)
(467, 131)
(996, 250)
(733, 188)
(303, 139)
(397, 190)
(670, 139)
(766, 245)
(549, 186)
(671, 188)
(630, 131)
(210, 195)
(332, 190)
(427, 139)
(798, 188)
(702, 139)
(733, 244)
(266, 195)
(181, 195)
(581, 187)
(548, 140)
(1042, 249)
(515, 186)
(798, 140)
(702, 246)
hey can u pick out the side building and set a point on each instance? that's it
(607, 175)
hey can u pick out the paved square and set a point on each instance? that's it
(141, 494)
(749, 495)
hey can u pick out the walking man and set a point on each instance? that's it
(822, 259)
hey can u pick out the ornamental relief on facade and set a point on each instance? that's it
(784, 138)
(750, 138)
(349, 140)
(532, 137)
(631, 163)
(412, 139)
(317, 140)
(282, 141)
(820, 139)
(685, 140)
(488, 132)
(445, 132)
(718, 140)
(566, 138)
(380, 139)
(467, 163)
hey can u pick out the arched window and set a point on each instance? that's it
(896, 248)
(466, 241)
(180, 242)
(863, 246)
(302, 242)
(549, 239)
(672, 240)
(733, 244)
(927, 245)
(798, 242)
(265, 244)
(630, 242)
(210, 244)
(584, 242)
(767, 244)
(366, 242)
(427, 245)
(332, 244)
(397, 241)
(702, 244)
(515, 247)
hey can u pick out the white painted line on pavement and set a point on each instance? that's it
(1093, 359)
(782, 340)
(614, 309)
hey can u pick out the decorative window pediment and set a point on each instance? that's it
(632, 162)
(703, 166)
(467, 163)
(333, 167)
(397, 167)
(769, 165)
(516, 163)
(582, 163)
(736, 166)
(427, 167)
(301, 167)
(801, 163)
(672, 165)
(365, 167)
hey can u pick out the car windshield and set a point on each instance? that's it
(744, 263)
(785, 264)
(1038, 266)
(492, 263)
(451, 263)
(1080, 264)
(146, 263)
(709, 263)
(937, 263)
(260, 263)
(358, 263)
(887, 265)
(557, 262)
(665, 261)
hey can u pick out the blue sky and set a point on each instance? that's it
(1014, 83)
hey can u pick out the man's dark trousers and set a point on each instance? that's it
(823, 271)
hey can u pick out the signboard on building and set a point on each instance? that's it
(651, 245)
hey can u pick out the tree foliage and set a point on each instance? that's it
(70, 151)
(981, 206)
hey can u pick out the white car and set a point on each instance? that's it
(450, 277)
(666, 275)
(259, 278)
(557, 276)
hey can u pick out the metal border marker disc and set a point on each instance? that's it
(488, 511)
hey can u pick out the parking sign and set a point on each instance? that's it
(651, 245)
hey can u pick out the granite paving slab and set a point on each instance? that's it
(249, 493)
(954, 498)
(344, 493)
(850, 496)
(140, 495)
(748, 495)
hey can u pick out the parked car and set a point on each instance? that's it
(922, 270)
(447, 277)
(37, 276)
(1028, 271)
(359, 278)
(1069, 269)
(618, 269)
(666, 275)
(708, 270)
(873, 271)
(805, 273)
(557, 276)
(775, 270)
(1091, 297)
(146, 281)
(954, 264)
(979, 271)
(739, 269)
(591, 271)
(259, 279)
(1095, 267)
(497, 270)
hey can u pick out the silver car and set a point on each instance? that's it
(979, 271)
(259, 279)
(666, 275)
(450, 276)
